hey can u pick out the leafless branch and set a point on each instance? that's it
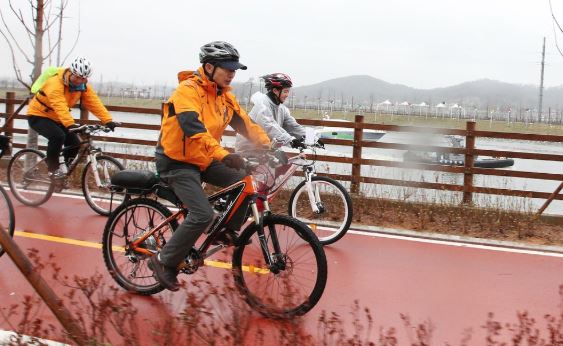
(553, 16)
(20, 17)
(554, 23)
(556, 43)
(17, 71)
(77, 37)
(12, 36)
(51, 49)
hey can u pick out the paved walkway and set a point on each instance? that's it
(454, 285)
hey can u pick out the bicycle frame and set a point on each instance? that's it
(85, 145)
(308, 171)
(239, 202)
(86, 149)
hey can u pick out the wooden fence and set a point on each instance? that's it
(357, 161)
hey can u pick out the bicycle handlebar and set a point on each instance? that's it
(255, 158)
(92, 128)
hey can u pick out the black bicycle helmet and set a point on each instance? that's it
(222, 54)
(277, 81)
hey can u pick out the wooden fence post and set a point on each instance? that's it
(469, 161)
(357, 154)
(83, 115)
(9, 125)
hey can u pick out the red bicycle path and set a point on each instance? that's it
(452, 286)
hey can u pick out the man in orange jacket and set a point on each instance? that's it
(49, 111)
(189, 149)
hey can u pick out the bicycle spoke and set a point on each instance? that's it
(296, 276)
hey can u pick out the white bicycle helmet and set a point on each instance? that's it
(81, 67)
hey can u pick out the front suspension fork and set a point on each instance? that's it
(270, 258)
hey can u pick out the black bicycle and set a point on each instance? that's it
(7, 215)
(278, 264)
(31, 185)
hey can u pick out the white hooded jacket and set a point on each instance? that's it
(276, 121)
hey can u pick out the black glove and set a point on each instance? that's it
(112, 125)
(73, 126)
(298, 143)
(234, 161)
(320, 143)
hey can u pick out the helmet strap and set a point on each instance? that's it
(211, 75)
(275, 98)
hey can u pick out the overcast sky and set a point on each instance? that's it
(423, 44)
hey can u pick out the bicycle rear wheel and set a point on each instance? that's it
(291, 285)
(28, 177)
(335, 208)
(129, 268)
(7, 218)
(98, 195)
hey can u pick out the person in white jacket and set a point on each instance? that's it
(272, 115)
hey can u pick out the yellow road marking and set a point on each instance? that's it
(211, 263)
(58, 239)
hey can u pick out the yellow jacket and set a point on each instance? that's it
(195, 117)
(54, 100)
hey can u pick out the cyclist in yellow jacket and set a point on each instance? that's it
(49, 111)
(189, 150)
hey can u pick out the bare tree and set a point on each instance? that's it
(38, 24)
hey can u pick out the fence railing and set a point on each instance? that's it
(357, 160)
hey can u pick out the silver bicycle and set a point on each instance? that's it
(31, 185)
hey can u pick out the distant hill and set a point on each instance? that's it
(479, 93)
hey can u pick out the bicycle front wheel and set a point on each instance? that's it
(334, 204)
(96, 184)
(7, 218)
(28, 177)
(292, 280)
(130, 268)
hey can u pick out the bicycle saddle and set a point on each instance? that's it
(143, 182)
(135, 179)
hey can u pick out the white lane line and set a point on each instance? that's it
(506, 248)
(458, 244)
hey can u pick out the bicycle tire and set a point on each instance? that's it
(7, 219)
(340, 220)
(41, 186)
(252, 275)
(98, 198)
(126, 219)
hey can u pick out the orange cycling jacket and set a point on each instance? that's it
(54, 100)
(195, 117)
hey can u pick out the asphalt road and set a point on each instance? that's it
(451, 285)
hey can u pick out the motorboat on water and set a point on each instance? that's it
(453, 159)
(346, 132)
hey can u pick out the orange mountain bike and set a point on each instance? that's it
(278, 264)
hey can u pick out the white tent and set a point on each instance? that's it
(457, 108)
(440, 106)
(406, 107)
(420, 106)
(385, 104)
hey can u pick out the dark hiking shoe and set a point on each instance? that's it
(166, 276)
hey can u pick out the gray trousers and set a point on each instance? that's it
(186, 183)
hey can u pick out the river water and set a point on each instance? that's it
(411, 194)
